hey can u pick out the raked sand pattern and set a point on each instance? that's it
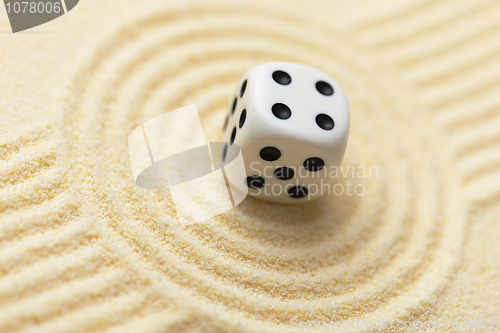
(83, 249)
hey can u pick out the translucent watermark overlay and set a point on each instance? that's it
(170, 151)
(332, 172)
(332, 180)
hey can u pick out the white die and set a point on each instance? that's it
(292, 123)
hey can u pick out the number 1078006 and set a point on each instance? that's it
(33, 7)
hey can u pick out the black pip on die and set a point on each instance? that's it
(291, 122)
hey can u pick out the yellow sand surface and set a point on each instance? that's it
(83, 249)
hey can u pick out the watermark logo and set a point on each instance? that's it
(170, 151)
(28, 14)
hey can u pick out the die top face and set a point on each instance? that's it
(297, 102)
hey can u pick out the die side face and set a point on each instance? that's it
(291, 122)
